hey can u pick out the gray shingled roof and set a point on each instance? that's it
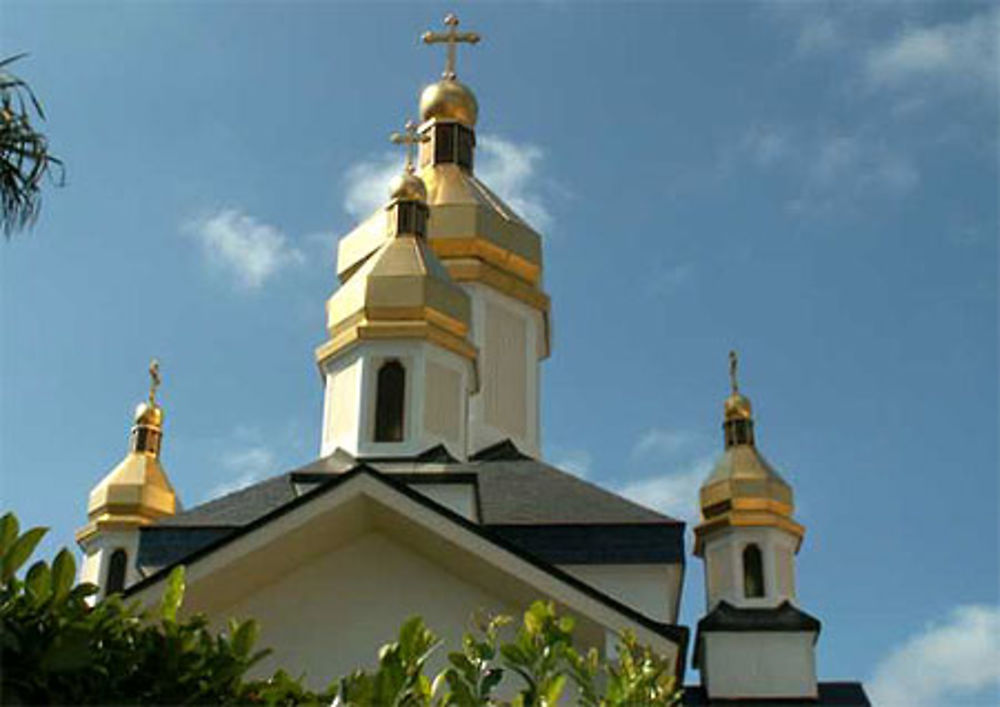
(546, 512)
(511, 492)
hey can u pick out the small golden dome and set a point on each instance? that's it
(149, 414)
(407, 187)
(737, 407)
(449, 99)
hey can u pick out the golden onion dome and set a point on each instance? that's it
(737, 407)
(407, 187)
(148, 414)
(449, 99)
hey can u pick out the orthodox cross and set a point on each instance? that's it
(452, 38)
(733, 363)
(154, 379)
(410, 138)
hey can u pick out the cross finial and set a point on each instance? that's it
(452, 38)
(154, 380)
(410, 138)
(733, 365)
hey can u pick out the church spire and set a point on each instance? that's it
(738, 424)
(147, 430)
(449, 108)
(135, 493)
(407, 194)
(753, 641)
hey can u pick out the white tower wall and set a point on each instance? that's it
(724, 569)
(508, 335)
(437, 386)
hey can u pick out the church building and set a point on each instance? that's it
(429, 495)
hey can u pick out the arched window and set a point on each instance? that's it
(753, 572)
(116, 571)
(390, 399)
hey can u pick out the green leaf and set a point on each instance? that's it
(38, 582)
(245, 637)
(20, 551)
(63, 572)
(173, 596)
(554, 691)
(8, 532)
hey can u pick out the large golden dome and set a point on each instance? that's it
(449, 99)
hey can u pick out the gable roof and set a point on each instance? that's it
(544, 511)
(678, 635)
(513, 489)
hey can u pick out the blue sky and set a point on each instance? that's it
(813, 184)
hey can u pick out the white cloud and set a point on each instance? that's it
(508, 168)
(511, 170)
(958, 52)
(250, 251)
(859, 166)
(661, 442)
(368, 184)
(576, 461)
(767, 145)
(250, 465)
(676, 493)
(831, 171)
(944, 663)
(818, 33)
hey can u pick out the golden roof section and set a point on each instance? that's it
(137, 491)
(400, 291)
(743, 488)
(476, 235)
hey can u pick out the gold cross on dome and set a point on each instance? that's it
(410, 138)
(154, 379)
(733, 364)
(452, 38)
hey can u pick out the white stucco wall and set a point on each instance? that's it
(436, 395)
(651, 589)
(97, 557)
(759, 664)
(508, 336)
(724, 566)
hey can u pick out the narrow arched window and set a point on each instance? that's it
(116, 571)
(390, 399)
(753, 572)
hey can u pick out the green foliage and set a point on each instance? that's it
(541, 655)
(57, 648)
(24, 152)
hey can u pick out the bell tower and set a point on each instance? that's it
(137, 492)
(398, 365)
(492, 254)
(754, 641)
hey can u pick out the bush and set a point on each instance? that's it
(57, 648)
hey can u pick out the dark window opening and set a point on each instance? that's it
(454, 143)
(444, 143)
(389, 402)
(739, 432)
(411, 217)
(466, 141)
(116, 571)
(753, 572)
